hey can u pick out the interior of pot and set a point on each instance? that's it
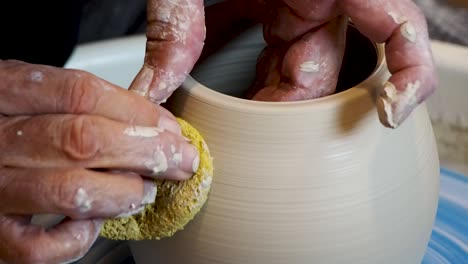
(232, 69)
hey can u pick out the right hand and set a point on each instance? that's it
(75, 145)
(306, 44)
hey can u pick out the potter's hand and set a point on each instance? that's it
(175, 38)
(288, 68)
(57, 127)
(306, 41)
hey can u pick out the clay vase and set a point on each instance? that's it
(317, 181)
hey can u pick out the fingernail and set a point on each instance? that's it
(190, 159)
(385, 113)
(389, 91)
(409, 32)
(149, 192)
(169, 124)
(132, 212)
(384, 105)
(142, 82)
(196, 163)
(98, 224)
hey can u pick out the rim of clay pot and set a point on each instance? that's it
(200, 92)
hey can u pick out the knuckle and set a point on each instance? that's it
(79, 93)
(163, 31)
(80, 138)
(67, 196)
(10, 129)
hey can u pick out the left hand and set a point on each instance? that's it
(70, 146)
(304, 38)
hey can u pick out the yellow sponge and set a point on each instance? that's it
(177, 202)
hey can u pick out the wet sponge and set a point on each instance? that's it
(177, 202)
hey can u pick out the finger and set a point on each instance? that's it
(28, 89)
(268, 68)
(77, 193)
(81, 141)
(66, 242)
(402, 26)
(311, 65)
(175, 38)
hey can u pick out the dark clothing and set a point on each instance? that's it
(43, 32)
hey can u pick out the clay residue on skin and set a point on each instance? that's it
(82, 200)
(195, 163)
(176, 204)
(390, 92)
(180, 57)
(149, 193)
(408, 31)
(159, 163)
(176, 156)
(169, 82)
(309, 66)
(389, 97)
(410, 93)
(394, 101)
(37, 76)
(389, 113)
(179, 16)
(171, 79)
(139, 131)
(162, 86)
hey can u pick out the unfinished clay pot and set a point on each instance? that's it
(317, 181)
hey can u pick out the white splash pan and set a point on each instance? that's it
(118, 61)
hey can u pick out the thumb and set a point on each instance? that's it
(175, 38)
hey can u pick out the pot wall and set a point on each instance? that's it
(296, 188)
